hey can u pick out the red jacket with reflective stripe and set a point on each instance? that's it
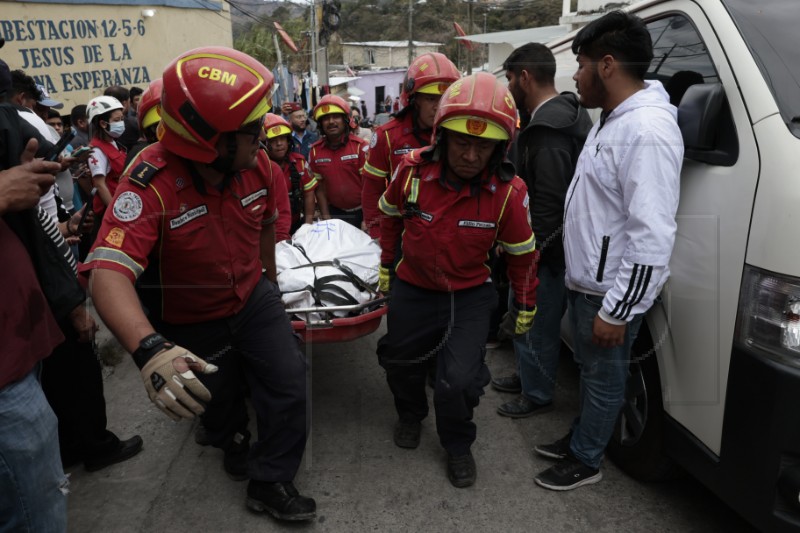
(447, 232)
(202, 245)
(339, 170)
(389, 144)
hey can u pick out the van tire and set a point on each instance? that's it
(637, 445)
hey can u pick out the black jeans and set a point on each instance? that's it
(255, 346)
(451, 326)
(72, 381)
(354, 217)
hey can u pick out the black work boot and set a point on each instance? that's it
(280, 499)
(461, 470)
(235, 461)
(407, 432)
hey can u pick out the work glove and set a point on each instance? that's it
(516, 322)
(167, 373)
(384, 278)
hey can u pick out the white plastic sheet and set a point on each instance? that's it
(326, 240)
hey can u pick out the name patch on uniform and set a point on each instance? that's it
(323, 160)
(128, 206)
(476, 224)
(402, 151)
(189, 215)
(250, 198)
(427, 217)
(349, 157)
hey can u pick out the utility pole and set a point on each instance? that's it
(485, 46)
(322, 51)
(284, 88)
(410, 31)
(469, 30)
(314, 37)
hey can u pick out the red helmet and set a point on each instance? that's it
(275, 126)
(429, 73)
(331, 105)
(478, 105)
(209, 91)
(149, 112)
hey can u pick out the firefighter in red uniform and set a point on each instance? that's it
(301, 185)
(336, 160)
(192, 225)
(426, 80)
(452, 202)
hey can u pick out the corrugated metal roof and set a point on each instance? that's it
(391, 44)
(542, 34)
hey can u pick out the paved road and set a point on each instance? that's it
(362, 482)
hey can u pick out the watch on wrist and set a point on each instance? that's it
(148, 347)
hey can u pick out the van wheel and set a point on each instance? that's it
(637, 443)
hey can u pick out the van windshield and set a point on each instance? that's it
(769, 28)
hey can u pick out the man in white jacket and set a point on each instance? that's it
(619, 230)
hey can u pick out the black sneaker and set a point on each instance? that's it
(235, 460)
(557, 450)
(461, 470)
(124, 450)
(407, 432)
(567, 474)
(508, 384)
(522, 407)
(281, 500)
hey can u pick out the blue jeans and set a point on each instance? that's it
(32, 481)
(604, 374)
(537, 351)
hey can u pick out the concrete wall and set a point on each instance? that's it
(385, 56)
(77, 50)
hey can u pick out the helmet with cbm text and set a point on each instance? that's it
(100, 105)
(430, 73)
(276, 125)
(477, 105)
(207, 92)
(149, 112)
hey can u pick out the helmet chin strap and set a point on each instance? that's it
(224, 164)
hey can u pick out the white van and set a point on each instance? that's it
(715, 383)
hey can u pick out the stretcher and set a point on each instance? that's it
(327, 273)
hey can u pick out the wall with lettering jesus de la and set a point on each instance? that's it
(76, 50)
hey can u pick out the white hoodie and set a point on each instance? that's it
(619, 216)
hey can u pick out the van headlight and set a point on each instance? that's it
(769, 314)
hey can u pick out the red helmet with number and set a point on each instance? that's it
(331, 105)
(276, 125)
(209, 91)
(430, 73)
(149, 112)
(477, 105)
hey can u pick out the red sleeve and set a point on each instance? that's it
(128, 233)
(306, 179)
(371, 191)
(391, 221)
(377, 160)
(281, 199)
(519, 243)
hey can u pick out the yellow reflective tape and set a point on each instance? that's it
(387, 208)
(310, 185)
(375, 171)
(520, 248)
(118, 257)
(414, 190)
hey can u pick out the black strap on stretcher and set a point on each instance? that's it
(325, 288)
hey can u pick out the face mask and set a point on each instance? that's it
(115, 129)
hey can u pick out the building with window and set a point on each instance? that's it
(383, 54)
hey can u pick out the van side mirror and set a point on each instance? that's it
(702, 115)
(698, 115)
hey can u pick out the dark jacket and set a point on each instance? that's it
(53, 269)
(545, 153)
